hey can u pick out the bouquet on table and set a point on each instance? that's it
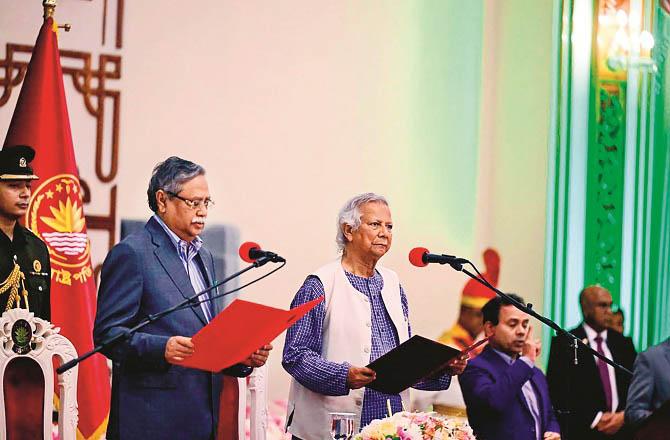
(416, 426)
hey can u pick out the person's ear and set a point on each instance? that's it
(161, 201)
(348, 232)
(489, 329)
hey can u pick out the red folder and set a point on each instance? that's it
(239, 330)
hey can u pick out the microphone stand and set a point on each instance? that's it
(575, 342)
(188, 302)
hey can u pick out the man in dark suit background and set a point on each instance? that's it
(150, 271)
(592, 391)
(505, 393)
(650, 387)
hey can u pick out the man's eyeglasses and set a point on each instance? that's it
(193, 204)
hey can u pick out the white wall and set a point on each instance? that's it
(295, 106)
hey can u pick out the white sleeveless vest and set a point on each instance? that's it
(347, 336)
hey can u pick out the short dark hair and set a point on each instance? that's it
(491, 309)
(169, 176)
(618, 311)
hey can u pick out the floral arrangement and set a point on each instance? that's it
(416, 426)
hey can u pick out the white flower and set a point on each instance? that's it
(417, 426)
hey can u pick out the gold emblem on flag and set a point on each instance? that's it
(56, 215)
(37, 266)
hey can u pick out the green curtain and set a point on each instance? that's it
(609, 179)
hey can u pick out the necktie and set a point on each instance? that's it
(604, 374)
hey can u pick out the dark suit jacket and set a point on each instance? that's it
(650, 387)
(496, 405)
(579, 389)
(151, 398)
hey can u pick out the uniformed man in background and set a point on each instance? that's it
(25, 272)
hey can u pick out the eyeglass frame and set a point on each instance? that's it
(193, 204)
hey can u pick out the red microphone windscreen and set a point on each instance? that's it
(416, 256)
(245, 248)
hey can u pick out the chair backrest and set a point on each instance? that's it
(24, 336)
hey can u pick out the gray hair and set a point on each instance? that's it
(350, 214)
(170, 175)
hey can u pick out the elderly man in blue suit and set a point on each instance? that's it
(153, 396)
(506, 395)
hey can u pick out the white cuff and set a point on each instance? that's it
(596, 420)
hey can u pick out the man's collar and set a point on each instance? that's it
(507, 358)
(591, 334)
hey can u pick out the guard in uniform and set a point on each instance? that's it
(25, 272)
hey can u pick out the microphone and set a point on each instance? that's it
(421, 257)
(250, 252)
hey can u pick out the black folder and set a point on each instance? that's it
(408, 363)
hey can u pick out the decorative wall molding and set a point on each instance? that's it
(98, 99)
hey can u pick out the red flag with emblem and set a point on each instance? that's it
(56, 215)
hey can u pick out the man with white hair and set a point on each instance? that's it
(364, 315)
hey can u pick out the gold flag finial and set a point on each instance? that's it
(49, 7)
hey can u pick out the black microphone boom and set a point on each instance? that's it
(255, 254)
(442, 259)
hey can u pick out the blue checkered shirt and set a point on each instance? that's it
(302, 350)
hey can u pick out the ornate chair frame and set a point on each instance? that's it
(23, 335)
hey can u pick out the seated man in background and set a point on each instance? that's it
(506, 394)
(650, 387)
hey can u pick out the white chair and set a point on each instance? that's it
(23, 335)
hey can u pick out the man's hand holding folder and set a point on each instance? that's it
(416, 359)
(458, 364)
(258, 357)
(239, 330)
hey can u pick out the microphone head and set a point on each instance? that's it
(245, 248)
(416, 256)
